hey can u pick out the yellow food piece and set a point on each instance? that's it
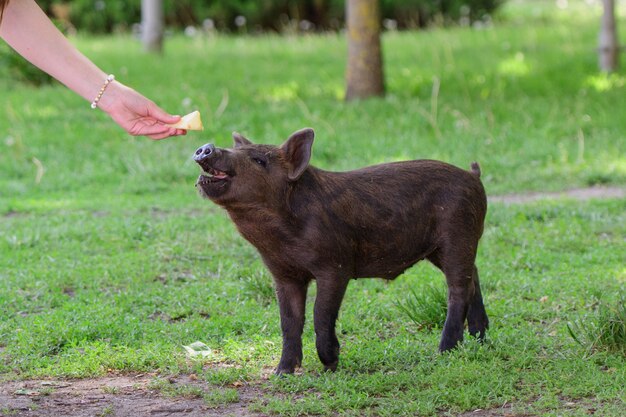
(191, 121)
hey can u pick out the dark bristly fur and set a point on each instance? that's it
(309, 224)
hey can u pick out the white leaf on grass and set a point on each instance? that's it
(198, 349)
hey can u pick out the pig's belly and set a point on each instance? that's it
(387, 262)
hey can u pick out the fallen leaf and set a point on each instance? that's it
(198, 349)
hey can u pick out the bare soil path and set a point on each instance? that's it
(118, 396)
(579, 194)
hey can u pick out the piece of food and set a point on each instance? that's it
(192, 121)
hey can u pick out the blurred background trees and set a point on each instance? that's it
(153, 25)
(608, 44)
(100, 16)
(364, 72)
(283, 16)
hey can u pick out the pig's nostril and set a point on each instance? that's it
(203, 152)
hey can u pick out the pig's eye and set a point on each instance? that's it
(260, 161)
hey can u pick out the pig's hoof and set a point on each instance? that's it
(331, 367)
(448, 345)
(283, 371)
(479, 335)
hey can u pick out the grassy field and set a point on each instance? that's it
(110, 262)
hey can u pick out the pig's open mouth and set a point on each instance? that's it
(216, 172)
(213, 180)
(212, 174)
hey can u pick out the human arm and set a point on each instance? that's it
(27, 29)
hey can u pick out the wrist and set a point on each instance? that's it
(109, 79)
(110, 96)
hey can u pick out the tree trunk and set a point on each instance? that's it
(608, 45)
(364, 74)
(152, 25)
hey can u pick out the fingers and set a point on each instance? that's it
(155, 127)
(169, 133)
(161, 115)
(159, 137)
(154, 130)
(141, 117)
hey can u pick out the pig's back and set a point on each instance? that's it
(422, 181)
(392, 214)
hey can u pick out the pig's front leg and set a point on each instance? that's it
(330, 292)
(291, 299)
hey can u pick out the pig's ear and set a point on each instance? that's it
(240, 140)
(297, 151)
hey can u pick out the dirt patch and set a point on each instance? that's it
(116, 396)
(505, 411)
(11, 214)
(579, 194)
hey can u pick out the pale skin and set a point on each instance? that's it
(27, 29)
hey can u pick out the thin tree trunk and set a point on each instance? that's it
(364, 74)
(608, 45)
(152, 25)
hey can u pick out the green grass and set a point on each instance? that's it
(109, 261)
(604, 330)
(214, 398)
(425, 307)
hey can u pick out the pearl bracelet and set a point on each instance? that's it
(108, 81)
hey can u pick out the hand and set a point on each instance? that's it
(136, 114)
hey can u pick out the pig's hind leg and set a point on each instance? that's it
(457, 263)
(477, 320)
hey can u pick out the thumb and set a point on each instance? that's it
(162, 116)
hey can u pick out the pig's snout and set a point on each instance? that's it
(203, 152)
